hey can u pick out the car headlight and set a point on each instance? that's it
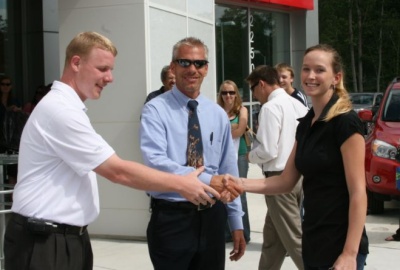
(383, 149)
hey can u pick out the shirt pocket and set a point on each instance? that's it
(213, 150)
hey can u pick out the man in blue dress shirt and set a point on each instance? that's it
(180, 235)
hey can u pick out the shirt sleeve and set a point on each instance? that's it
(268, 134)
(346, 125)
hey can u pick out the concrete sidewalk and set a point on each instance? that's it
(125, 254)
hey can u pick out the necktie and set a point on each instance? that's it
(195, 144)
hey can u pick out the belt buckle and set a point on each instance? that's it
(202, 207)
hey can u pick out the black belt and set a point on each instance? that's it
(164, 204)
(41, 226)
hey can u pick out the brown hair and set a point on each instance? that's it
(84, 42)
(238, 99)
(264, 73)
(343, 104)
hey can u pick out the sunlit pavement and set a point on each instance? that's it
(129, 254)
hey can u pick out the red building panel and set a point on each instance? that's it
(303, 4)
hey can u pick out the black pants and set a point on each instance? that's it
(24, 250)
(187, 239)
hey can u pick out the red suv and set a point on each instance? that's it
(382, 156)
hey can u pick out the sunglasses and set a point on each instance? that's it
(254, 86)
(5, 84)
(231, 93)
(186, 63)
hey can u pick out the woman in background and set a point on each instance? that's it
(229, 99)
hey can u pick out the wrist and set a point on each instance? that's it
(242, 183)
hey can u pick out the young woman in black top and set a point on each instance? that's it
(329, 152)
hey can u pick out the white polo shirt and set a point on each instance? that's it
(58, 151)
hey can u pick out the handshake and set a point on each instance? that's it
(227, 186)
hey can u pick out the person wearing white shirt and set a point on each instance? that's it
(56, 194)
(276, 136)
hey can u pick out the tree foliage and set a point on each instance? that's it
(374, 39)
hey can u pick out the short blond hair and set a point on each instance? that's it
(83, 43)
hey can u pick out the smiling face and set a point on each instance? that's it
(189, 79)
(285, 80)
(317, 74)
(92, 73)
(228, 94)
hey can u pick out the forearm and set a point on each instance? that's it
(138, 176)
(269, 186)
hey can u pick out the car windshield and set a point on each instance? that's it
(362, 99)
(391, 111)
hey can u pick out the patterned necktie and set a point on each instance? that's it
(195, 144)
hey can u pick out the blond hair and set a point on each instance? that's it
(343, 104)
(83, 43)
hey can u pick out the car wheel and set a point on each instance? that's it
(375, 206)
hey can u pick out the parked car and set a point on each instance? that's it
(366, 101)
(382, 157)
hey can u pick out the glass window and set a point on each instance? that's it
(246, 38)
(21, 45)
(3, 31)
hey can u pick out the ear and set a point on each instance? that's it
(337, 78)
(75, 62)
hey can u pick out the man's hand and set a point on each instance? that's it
(239, 245)
(228, 189)
(195, 191)
(230, 180)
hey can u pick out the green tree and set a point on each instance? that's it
(368, 38)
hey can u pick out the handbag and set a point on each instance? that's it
(249, 136)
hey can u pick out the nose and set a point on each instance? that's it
(109, 77)
(311, 74)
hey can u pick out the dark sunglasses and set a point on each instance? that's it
(186, 63)
(254, 86)
(5, 84)
(231, 93)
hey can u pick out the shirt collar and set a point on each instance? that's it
(275, 93)
(70, 93)
(183, 99)
(325, 111)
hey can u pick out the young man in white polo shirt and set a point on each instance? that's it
(56, 195)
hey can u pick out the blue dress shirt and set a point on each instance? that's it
(163, 142)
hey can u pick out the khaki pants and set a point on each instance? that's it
(282, 229)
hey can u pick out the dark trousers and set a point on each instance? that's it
(24, 250)
(187, 239)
